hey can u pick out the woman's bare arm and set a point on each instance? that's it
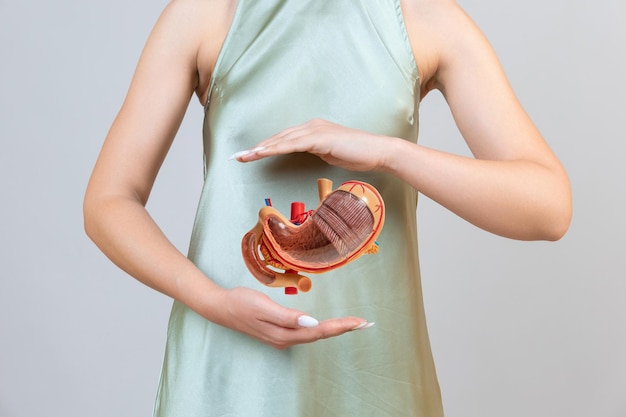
(133, 151)
(515, 186)
(115, 217)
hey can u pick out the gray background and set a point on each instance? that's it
(518, 329)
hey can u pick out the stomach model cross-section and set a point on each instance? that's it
(344, 226)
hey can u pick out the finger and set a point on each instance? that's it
(282, 317)
(286, 135)
(288, 145)
(328, 328)
(291, 319)
(293, 132)
(261, 151)
(283, 337)
(297, 144)
(339, 326)
(238, 155)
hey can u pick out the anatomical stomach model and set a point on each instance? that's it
(344, 226)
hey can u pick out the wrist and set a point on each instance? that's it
(390, 155)
(200, 294)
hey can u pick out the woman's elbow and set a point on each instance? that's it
(90, 214)
(558, 228)
(558, 215)
(95, 208)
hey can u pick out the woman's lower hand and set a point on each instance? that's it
(255, 314)
(347, 148)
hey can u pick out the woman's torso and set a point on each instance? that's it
(282, 63)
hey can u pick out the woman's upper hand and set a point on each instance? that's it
(347, 148)
(255, 314)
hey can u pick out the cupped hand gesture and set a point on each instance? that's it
(347, 148)
(255, 314)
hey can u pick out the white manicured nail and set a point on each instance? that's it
(246, 152)
(364, 326)
(306, 321)
(239, 154)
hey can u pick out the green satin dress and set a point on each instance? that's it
(283, 63)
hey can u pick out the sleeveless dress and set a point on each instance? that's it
(283, 63)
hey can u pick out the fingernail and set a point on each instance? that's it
(363, 326)
(239, 154)
(306, 321)
(246, 152)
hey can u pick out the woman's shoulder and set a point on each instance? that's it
(437, 28)
(200, 26)
(429, 9)
(424, 22)
(199, 14)
(198, 17)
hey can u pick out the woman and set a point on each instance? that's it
(300, 90)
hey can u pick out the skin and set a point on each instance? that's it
(514, 186)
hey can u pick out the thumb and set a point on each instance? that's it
(287, 317)
(294, 319)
